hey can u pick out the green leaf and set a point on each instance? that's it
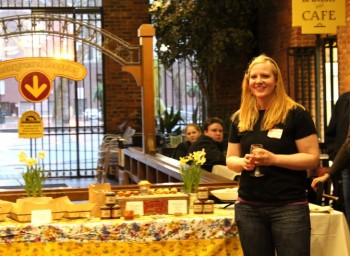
(169, 120)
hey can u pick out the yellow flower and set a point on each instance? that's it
(30, 162)
(196, 158)
(191, 170)
(41, 154)
(34, 175)
(199, 157)
(183, 160)
(22, 156)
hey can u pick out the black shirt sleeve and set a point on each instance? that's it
(181, 150)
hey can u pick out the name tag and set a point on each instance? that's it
(275, 133)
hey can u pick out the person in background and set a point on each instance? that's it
(340, 164)
(335, 136)
(271, 211)
(212, 141)
(192, 132)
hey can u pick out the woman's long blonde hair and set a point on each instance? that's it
(279, 107)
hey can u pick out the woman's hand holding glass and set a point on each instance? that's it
(254, 151)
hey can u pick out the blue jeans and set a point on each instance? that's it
(266, 230)
(346, 192)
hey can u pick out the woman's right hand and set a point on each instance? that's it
(323, 178)
(248, 162)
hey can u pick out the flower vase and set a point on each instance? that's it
(192, 198)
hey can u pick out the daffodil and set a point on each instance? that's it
(34, 175)
(191, 170)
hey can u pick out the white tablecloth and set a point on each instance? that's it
(329, 234)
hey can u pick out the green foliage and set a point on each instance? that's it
(206, 33)
(98, 94)
(193, 91)
(191, 176)
(169, 120)
(34, 175)
(34, 178)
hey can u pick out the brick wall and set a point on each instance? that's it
(275, 35)
(343, 38)
(123, 96)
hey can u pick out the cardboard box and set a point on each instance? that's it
(60, 207)
(5, 208)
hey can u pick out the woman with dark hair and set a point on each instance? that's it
(212, 142)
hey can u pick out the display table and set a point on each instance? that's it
(204, 234)
(158, 235)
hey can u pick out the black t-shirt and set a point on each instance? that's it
(279, 185)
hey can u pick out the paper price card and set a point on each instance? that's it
(177, 206)
(40, 217)
(136, 206)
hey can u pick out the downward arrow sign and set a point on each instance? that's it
(36, 89)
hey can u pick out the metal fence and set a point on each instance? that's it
(313, 79)
(177, 87)
(72, 115)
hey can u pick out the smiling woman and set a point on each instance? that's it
(268, 116)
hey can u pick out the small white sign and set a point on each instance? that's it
(40, 217)
(275, 133)
(136, 206)
(177, 206)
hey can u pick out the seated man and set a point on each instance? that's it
(212, 142)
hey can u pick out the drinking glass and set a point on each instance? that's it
(257, 172)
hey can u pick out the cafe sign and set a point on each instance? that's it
(318, 16)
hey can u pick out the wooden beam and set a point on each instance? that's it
(146, 33)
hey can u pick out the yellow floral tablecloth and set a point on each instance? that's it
(207, 234)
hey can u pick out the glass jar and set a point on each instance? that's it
(202, 193)
(110, 198)
(144, 189)
(198, 207)
(128, 214)
(105, 212)
(208, 206)
(116, 212)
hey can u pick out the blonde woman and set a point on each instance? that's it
(272, 211)
(192, 132)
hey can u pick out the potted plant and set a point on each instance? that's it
(169, 120)
(191, 170)
(34, 174)
(168, 126)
